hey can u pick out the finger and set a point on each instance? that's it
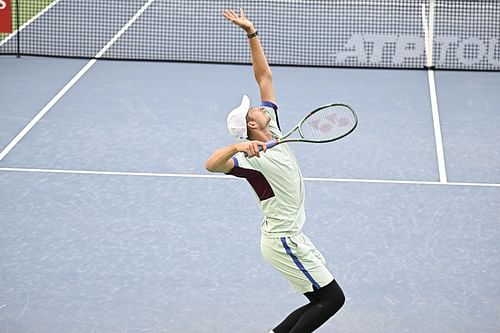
(255, 149)
(233, 14)
(229, 12)
(230, 15)
(247, 150)
(257, 146)
(242, 13)
(251, 149)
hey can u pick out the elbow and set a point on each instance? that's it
(212, 166)
(209, 166)
(215, 168)
(266, 76)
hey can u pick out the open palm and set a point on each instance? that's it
(240, 20)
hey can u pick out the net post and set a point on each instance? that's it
(430, 36)
(18, 38)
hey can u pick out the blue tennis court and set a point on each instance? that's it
(110, 223)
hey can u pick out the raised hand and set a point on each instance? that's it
(241, 20)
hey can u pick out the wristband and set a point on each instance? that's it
(253, 34)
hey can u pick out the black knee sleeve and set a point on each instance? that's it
(330, 296)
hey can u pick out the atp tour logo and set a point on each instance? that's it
(383, 49)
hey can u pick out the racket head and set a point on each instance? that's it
(328, 123)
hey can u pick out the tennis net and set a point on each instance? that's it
(464, 34)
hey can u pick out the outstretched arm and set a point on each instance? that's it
(261, 69)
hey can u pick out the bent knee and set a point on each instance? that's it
(334, 299)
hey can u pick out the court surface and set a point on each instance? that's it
(109, 222)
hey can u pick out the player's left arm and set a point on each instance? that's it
(262, 72)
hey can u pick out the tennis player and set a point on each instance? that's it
(277, 181)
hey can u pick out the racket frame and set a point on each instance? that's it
(284, 139)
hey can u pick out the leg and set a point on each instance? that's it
(286, 325)
(304, 267)
(325, 302)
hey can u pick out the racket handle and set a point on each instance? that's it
(269, 144)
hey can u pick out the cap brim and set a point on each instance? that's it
(244, 105)
(236, 120)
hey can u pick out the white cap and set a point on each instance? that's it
(237, 119)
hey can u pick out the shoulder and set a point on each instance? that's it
(272, 109)
(269, 104)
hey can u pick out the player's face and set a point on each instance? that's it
(259, 116)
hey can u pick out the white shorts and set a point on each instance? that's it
(298, 260)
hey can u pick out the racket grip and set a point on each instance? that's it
(269, 144)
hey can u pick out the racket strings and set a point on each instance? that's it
(329, 123)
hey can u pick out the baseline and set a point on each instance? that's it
(181, 175)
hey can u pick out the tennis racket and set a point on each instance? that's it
(325, 124)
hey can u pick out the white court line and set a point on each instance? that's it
(221, 176)
(428, 26)
(437, 128)
(9, 37)
(70, 84)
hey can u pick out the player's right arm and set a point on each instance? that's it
(221, 160)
